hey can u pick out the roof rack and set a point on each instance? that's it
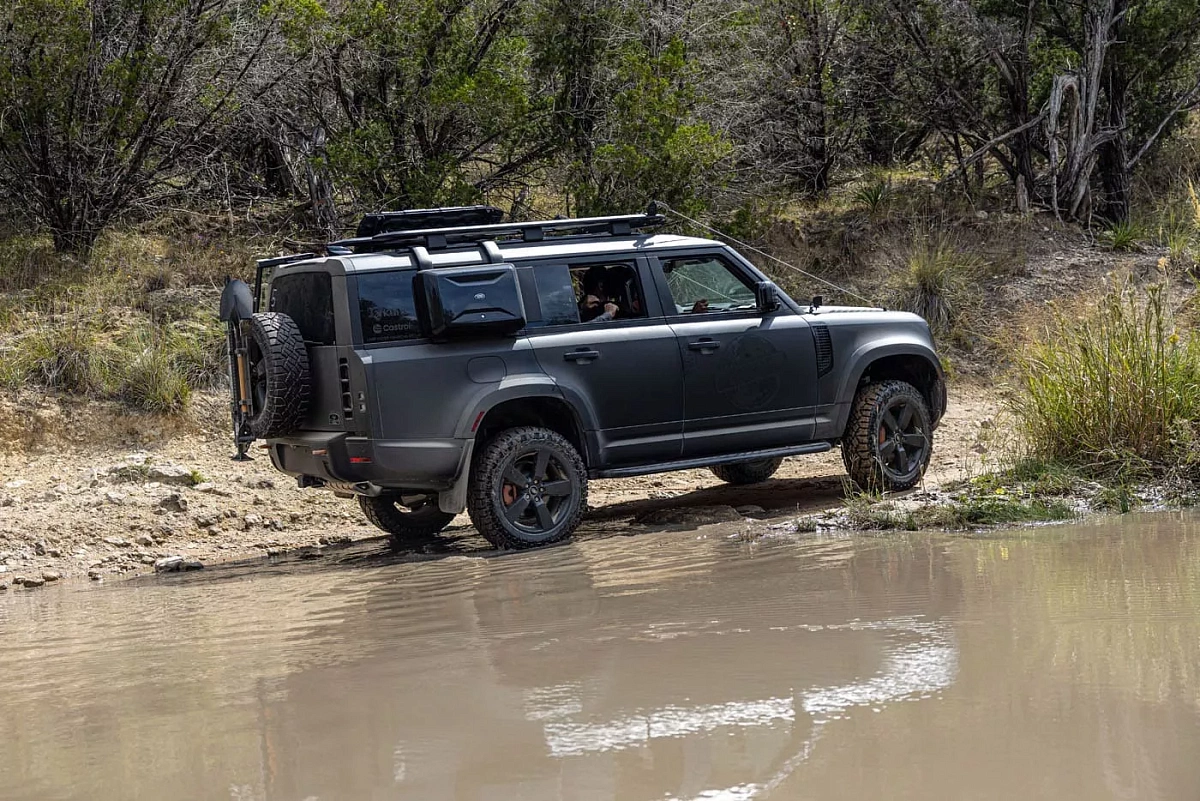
(443, 237)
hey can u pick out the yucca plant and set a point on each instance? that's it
(875, 196)
(1122, 236)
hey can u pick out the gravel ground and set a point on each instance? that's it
(160, 489)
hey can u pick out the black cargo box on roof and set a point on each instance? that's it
(416, 219)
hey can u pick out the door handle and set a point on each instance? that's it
(705, 345)
(583, 355)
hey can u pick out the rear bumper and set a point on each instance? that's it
(341, 459)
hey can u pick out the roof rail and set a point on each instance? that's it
(437, 238)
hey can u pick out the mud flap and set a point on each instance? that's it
(454, 500)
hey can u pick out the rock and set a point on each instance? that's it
(176, 564)
(18, 579)
(231, 513)
(251, 521)
(170, 474)
(7, 501)
(168, 564)
(16, 483)
(39, 547)
(51, 575)
(691, 515)
(3, 568)
(174, 503)
(3, 586)
(117, 542)
(749, 510)
(208, 521)
(145, 539)
(54, 553)
(95, 575)
(30, 583)
(114, 498)
(265, 483)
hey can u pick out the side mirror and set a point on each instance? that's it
(766, 296)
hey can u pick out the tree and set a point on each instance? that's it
(105, 101)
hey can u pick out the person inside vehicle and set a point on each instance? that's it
(597, 306)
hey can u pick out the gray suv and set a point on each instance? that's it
(443, 361)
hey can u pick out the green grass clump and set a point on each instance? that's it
(62, 355)
(960, 513)
(152, 379)
(1117, 387)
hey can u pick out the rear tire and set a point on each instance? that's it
(528, 488)
(279, 375)
(421, 519)
(889, 439)
(744, 473)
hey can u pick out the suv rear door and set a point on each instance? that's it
(626, 371)
(750, 380)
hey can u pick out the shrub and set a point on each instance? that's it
(1117, 386)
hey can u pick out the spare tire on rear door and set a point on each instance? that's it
(279, 374)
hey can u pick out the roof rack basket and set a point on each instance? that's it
(435, 238)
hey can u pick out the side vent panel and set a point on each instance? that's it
(824, 345)
(347, 401)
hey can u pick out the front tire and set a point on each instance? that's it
(528, 488)
(745, 473)
(405, 517)
(889, 438)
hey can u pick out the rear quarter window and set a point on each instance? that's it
(308, 299)
(387, 307)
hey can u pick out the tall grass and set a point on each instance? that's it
(936, 282)
(1117, 386)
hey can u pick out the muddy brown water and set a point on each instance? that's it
(1059, 663)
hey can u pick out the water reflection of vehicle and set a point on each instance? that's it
(600, 670)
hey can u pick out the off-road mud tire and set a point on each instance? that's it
(282, 402)
(384, 513)
(485, 495)
(861, 442)
(744, 473)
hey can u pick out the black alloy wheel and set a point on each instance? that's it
(528, 488)
(889, 439)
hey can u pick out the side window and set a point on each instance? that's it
(607, 292)
(706, 284)
(308, 299)
(386, 307)
(556, 294)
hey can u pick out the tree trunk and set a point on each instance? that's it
(811, 126)
(1115, 173)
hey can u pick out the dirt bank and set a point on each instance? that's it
(163, 488)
